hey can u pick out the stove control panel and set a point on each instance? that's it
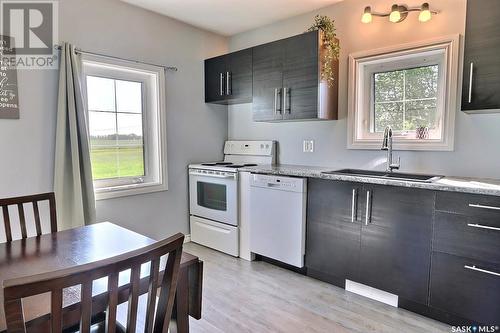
(213, 173)
(256, 148)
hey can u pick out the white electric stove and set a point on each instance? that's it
(214, 194)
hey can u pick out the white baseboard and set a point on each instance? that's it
(373, 293)
(187, 238)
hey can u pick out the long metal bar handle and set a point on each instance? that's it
(480, 226)
(368, 206)
(288, 108)
(276, 101)
(474, 268)
(470, 81)
(221, 88)
(354, 207)
(484, 207)
(229, 84)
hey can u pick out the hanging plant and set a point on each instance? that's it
(327, 26)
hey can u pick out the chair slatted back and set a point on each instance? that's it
(20, 202)
(157, 321)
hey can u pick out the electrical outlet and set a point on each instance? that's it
(308, 146)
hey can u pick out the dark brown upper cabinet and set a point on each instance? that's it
(287, 82)
(228, 78)
(282, 79)
(481, 59)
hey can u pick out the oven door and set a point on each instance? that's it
(214, 195)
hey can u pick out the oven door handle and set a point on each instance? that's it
(212, 175)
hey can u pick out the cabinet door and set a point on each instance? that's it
(267, 81)
(215, 69)
(300, 77)
(333, 231)
(396, 240)
(482, 49)
(239, 77)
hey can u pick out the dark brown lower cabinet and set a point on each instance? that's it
(465, 287)
(465, 274)
(388, 249)
(333, 231)
(438, 251)
(396, 240)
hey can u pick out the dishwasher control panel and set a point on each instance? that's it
(278, 182)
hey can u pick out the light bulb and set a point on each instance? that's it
(367, 15)
(425, 13)
(395, 15)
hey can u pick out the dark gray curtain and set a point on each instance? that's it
(72, 169)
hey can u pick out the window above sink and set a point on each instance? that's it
(412, 88)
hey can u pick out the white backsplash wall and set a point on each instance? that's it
(477, 137)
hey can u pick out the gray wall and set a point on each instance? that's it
(477, 152)
(194, 131)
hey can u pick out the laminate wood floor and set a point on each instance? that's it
(242, 296)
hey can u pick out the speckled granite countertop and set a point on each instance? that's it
(452, 184)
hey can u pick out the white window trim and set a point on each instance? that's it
(450, 45)
(159, 131)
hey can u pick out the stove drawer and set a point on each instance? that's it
(218, 236)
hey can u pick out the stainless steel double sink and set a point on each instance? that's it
(414, 177)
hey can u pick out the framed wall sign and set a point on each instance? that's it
(9, 99)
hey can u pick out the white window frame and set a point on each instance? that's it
(443, 51)
(154, 124)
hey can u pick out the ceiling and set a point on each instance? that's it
(229, 17)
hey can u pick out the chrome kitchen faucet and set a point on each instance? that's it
(387, 145)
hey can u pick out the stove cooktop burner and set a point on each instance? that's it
(217, 163)
(229, 165)
(236, 166)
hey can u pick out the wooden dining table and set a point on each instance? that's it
(74, 247)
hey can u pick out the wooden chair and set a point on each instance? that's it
(20, 202)
(156, 321)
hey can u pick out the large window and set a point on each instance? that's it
(406, 99)
(411, 88)
(116, 128)
(125, 117)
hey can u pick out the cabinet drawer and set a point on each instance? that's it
(394, 207)
(466, 287)
(477, 206)
(464, 236)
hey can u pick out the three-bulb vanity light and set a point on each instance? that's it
(399, 13)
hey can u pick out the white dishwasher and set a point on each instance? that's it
(278, 218)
